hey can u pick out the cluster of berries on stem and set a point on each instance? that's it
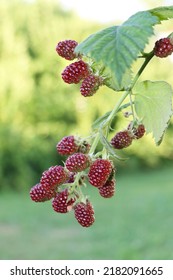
(79, 70)
(84, 166)
(63, 184)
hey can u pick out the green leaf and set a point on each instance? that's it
(100, 121)
(163, 13)
(117, 47)
(111, 80)
(153, 105)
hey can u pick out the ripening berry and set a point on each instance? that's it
(122, 140)
(108, 189)
(99, 172)
(163, 47)
(75, 72)
(71, 144)
(77, 162)
(61, 203)
(84, 214)
(53, 177)
(40, 194)
(66, 48)
(90, 85)
(67, 146)
(139, 131)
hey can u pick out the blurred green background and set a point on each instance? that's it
(36, 110)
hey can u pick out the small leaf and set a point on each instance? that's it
(100, 120)
(111, 80)
(153, 105)
(163, 13)
(117, 47)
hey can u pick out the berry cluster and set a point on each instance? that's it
(123, 139)
(63, 184)
(79, 70)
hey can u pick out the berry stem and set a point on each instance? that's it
(171, 37)
(131, 105)
(75, 188)
(148, 57)
(94, 144)
(115, 110)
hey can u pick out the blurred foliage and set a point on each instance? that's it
(37, 109)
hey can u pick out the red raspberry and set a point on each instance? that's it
(139, 131)
(70, 145)
(84, 214)
(66, 49)
(90, 85)
(99, 172)
(163, 47)
(61, 204)
(40, 194)
(75, 72)
(108, 189)
(122, 139)
(67, 146)
(53, 177)
(77, 162)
